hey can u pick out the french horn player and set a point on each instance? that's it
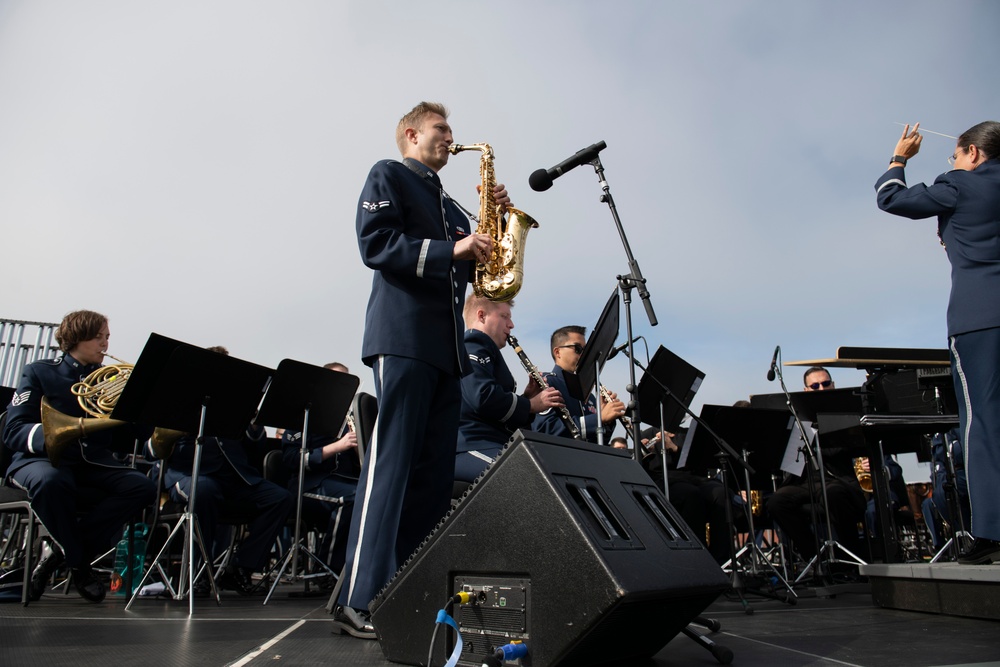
(85, 475)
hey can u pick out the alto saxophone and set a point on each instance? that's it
(500, 277)
(532, 370)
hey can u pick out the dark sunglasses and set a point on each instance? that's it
(825, 384)
(576, 347)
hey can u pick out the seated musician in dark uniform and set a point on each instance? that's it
(789, 505)
(699, 500)
(566, 346)
(87, 475)
(228, 484)
(937, 508)
(491, 408)
(332, 469)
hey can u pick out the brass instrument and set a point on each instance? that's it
(756, 502)
(625, 421)
(532, 370)
(864, 476)
(97, 395)
(500, 277)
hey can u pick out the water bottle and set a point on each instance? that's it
(120, 571)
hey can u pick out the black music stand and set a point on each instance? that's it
(6, 393)
(296, 388)
(832, 405)
(761, 433)
(172, 386)
(595, 353)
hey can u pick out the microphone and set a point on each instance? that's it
(774, 360)
(621, 348)
(541, 179)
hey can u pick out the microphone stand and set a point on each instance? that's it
(626, 283)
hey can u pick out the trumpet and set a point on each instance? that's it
(864, 476)
(532, 370)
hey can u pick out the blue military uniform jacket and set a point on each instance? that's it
(491, 408)
(216, 454)
(407, 229)
(586, 415)
(52, 378)
(345, 464)
(967, 206)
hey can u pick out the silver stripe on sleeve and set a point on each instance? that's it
(31, 440)
(891, 181)
(513, 406)
(422, 260)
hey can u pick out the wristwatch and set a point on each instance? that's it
(898, 158)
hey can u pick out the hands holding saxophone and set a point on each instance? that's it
(477, 247)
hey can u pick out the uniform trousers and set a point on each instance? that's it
(407, 476)
(470, 465)
(975, 364)
(119, 495)
(225, 497)
(788, 506)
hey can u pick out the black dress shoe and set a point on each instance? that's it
(354, 622)
(236, 578)
(87, 584)
(983, 552)
(50, 561)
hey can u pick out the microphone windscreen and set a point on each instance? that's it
(540, 181)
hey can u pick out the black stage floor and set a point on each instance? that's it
(845, 629)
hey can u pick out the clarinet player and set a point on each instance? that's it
(491, 408)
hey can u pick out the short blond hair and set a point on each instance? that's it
(474, 304)
(415, 119)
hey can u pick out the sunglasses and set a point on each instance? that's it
(825, 384)
(576, 347)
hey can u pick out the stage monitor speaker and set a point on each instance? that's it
(567, 547)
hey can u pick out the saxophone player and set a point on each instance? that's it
(422, 251)
(567, 345)
(491, 408)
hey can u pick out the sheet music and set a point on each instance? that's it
(686, 446)
(793, 462)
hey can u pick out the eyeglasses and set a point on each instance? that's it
(825, 384)
(951, 160)
(576, 347)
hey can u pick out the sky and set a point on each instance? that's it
(192, 168)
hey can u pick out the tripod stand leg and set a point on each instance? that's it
(722, 654)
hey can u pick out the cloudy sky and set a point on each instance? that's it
(192, 168)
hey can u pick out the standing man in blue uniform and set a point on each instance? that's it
(966, 202)
(567, 345)
(87, 468)
(491, 408)
(421, 247)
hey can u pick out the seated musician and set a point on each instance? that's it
(332, 469)
(566, 346)
(87, 475)
(899, 496)
(229, 485)
(789, 504)
(699, 500)
(491, 408)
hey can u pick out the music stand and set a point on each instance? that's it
(832, 405)
(759, 432)
(172, 386)
(595, 352)
(667, 373)
(6, 393)
(295, 389)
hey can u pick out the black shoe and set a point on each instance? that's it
(982, 552)
(87, 584)
(236, 578)
(354, 622)
(52, 558)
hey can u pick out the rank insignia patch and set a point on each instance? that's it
(372, 207)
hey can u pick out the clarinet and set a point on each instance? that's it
(533, 373)
(625, 421)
